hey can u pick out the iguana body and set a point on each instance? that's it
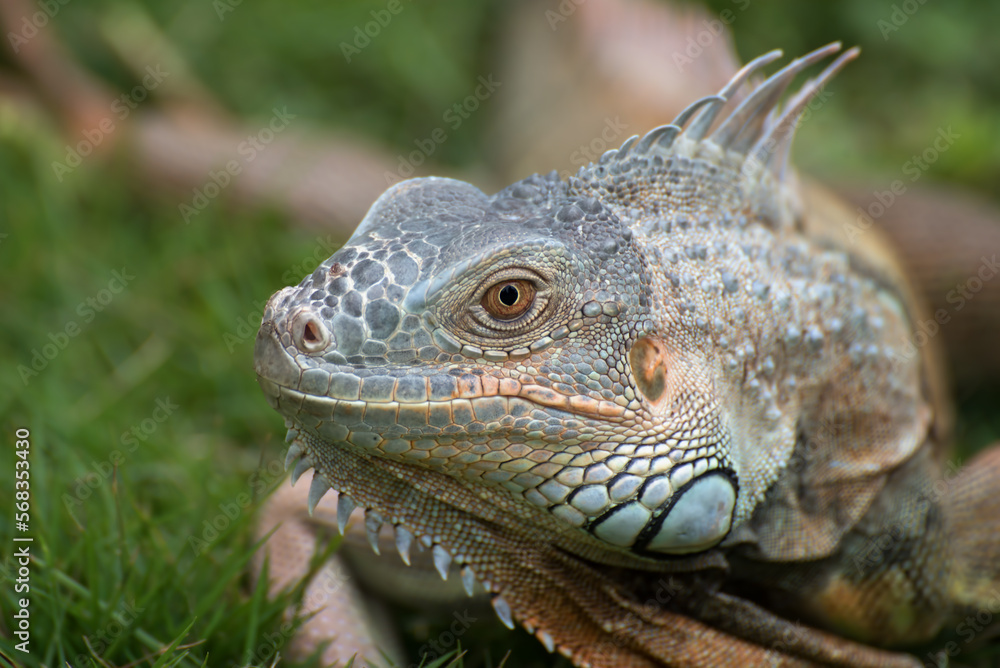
(671, 368)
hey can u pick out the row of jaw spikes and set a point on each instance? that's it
(299, 461)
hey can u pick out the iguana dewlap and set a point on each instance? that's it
(671, 367)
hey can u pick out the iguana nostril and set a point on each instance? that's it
(310, 334)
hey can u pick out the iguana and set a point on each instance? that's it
(661, 412)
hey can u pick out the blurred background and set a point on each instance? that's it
(165, 167)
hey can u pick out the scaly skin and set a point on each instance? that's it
(669, 369)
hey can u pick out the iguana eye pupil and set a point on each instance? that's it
(509, 295)
(509, 300)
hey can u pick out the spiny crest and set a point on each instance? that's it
(753, 140)
(758, 129)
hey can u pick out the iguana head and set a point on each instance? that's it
(519, 348)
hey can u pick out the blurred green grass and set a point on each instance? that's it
(115, 559)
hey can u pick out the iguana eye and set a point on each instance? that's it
(509, 300)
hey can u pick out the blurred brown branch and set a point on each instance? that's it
(317, 177)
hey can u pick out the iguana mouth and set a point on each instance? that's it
(481, 392)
